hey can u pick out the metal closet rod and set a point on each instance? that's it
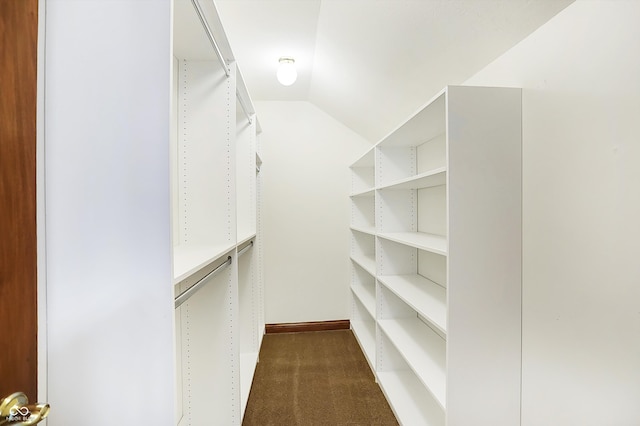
(185, 295)
(212, 40)
(244, 106)
(245, 248)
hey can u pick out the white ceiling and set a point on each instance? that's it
(371, 63)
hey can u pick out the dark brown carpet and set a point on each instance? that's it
(315, 378)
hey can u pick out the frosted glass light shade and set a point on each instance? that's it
(287, 73)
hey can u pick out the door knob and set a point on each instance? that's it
(15, 410)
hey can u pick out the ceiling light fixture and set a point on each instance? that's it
(287, 73)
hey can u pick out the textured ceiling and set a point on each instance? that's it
(371, 63)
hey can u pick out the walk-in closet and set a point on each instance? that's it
(320, 212)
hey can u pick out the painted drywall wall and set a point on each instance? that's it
(305, 215)
(581, 209)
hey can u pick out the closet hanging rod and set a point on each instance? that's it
(244, 106)
(245, 249)
(212, 40)
(185, 295)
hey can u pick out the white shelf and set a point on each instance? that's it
(367, 263)
(248, 236)
(423, 180)
(366, 338)
(248, 363)
(447, 178)
(423, 350)
(410, 401)
(371, 230)
(188, 259)
(427, 123)
(423, 295)
(362, 173)
(367, 299)
(364, 193)
(366, 160)
(423, 241)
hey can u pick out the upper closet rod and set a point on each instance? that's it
(185, 295)
(212, 40)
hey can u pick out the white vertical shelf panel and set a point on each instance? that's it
(106, 184)
(485, 255)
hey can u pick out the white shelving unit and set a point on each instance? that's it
(436, 243)
(214, 217)
(151, 185)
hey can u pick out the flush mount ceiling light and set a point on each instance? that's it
(287, 73)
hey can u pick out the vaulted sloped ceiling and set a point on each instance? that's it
(371, 63)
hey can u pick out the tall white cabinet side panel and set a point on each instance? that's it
(109, 308)
(484, 259)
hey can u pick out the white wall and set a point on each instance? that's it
(305, 216)
(581, 213)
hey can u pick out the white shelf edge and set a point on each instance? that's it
(248, 363)
(423, 295)
(370, 230)
(428, 179)
(423, 241)
(409, 400)
(364, 161)
(243, 239)
(369, 192)
(430, 102)
(189, 259)
(366, 341)
(423, 350)
(366, 299)
(368, 264)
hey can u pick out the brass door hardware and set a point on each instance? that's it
(16, 410)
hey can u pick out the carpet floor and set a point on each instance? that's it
(315, 378)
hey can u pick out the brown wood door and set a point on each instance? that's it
(18, 279)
